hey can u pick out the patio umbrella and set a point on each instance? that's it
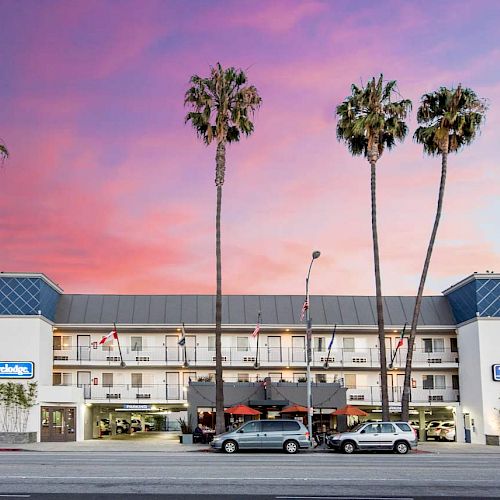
(350, 411)
(242, 410)
(294, 409)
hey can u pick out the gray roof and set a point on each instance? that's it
(243, 309)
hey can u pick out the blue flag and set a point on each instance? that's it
(331, 341)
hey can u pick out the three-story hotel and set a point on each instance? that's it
(81, 383)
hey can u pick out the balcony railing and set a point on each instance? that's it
(177, 393)
(372, 395)
(231, 356)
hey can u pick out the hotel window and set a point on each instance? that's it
(320, 378)
(243, 377)
(348, 344)
(433, 345)
(350, 380)
(61, 379)
(453, 345)
(136, 343)
(211, 343)
(242, 344)
(454, 382)
(107, 380)
(319, 344)
(62, 342)
(434, 382)
(136, 379)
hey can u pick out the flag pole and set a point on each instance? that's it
(186, 362)
(256, 364)
(401, 337)
(122, 363)
(330, 346)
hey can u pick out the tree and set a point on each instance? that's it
(222, 107)
(449, 119)
(4, 153)
(369, 120)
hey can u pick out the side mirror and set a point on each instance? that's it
(363, 432)
(241, 430)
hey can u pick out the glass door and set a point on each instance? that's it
(298, 349)
(171, 348)
(83, 347)
(274, 348)
(83, 380)
(58, 424)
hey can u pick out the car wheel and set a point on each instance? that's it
(348, 447)
(230, 447)
(291, 447)
(401, 448)
(119, 430)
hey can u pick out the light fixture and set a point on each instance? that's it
(186, 404)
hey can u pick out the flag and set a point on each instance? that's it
(331, 341)
(401, 338)
(182, 340)
(256, 331)
(305, 307)
(107, 339)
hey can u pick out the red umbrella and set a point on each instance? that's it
(350, 411)
(294, 409)
(242, 410)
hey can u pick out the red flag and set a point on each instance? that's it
(256, 331)
(400, 343)
(305, 307)
(113, 334)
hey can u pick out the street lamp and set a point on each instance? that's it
(315, 255)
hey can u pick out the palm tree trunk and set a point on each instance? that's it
(220, 160)
(405, 400)
(380, 309)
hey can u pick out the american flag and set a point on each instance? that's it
(305, 307)
(256, 331)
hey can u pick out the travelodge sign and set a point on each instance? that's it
(17, 369)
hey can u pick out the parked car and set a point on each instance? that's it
(287, 435)
(431, 431)
(396, 436)
(135, 424)
(447, 431)
(149, 426)
(122, 425)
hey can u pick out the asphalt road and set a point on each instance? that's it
(93, 475)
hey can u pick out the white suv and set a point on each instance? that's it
(396, 436)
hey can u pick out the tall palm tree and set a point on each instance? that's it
(449, 119)
(222, 107)
(369, 120)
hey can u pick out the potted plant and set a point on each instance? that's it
(16, 401)
(187, 432)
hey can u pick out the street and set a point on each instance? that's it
(265, 475)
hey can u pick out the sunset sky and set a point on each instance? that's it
(107, 190)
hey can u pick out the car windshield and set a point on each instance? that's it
(357, 428)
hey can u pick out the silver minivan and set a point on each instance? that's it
(287, 435)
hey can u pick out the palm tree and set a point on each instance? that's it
(222, 106)
(368, 122)
(449, 119)
(3, 152)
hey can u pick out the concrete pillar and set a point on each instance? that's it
(421, 424)
(458, 416)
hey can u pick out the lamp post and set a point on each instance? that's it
(315, 255)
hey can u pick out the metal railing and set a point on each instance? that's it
(232, 356)
(129, 392)
(371, 395)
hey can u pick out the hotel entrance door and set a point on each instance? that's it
(58, 424)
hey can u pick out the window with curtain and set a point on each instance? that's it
(136, 343)
(242, 344)
(348, 343)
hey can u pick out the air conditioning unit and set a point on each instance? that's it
(224, 358)
(249, 358)
(330, 360)
(438, 398)
(142, 358)
(359, 360)
(61, 358)
(143, 396)
(113, 396)
(113, 358)
(435, 360)
(356, 397)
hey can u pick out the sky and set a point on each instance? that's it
(107, 190)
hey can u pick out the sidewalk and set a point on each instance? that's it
(169, 443)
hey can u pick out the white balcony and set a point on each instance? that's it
(372, 395)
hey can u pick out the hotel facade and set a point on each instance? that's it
(456, 363)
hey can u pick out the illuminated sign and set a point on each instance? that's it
(17, 369)
(137, 407)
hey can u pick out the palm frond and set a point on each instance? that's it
(4, 153)
(449, 119)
